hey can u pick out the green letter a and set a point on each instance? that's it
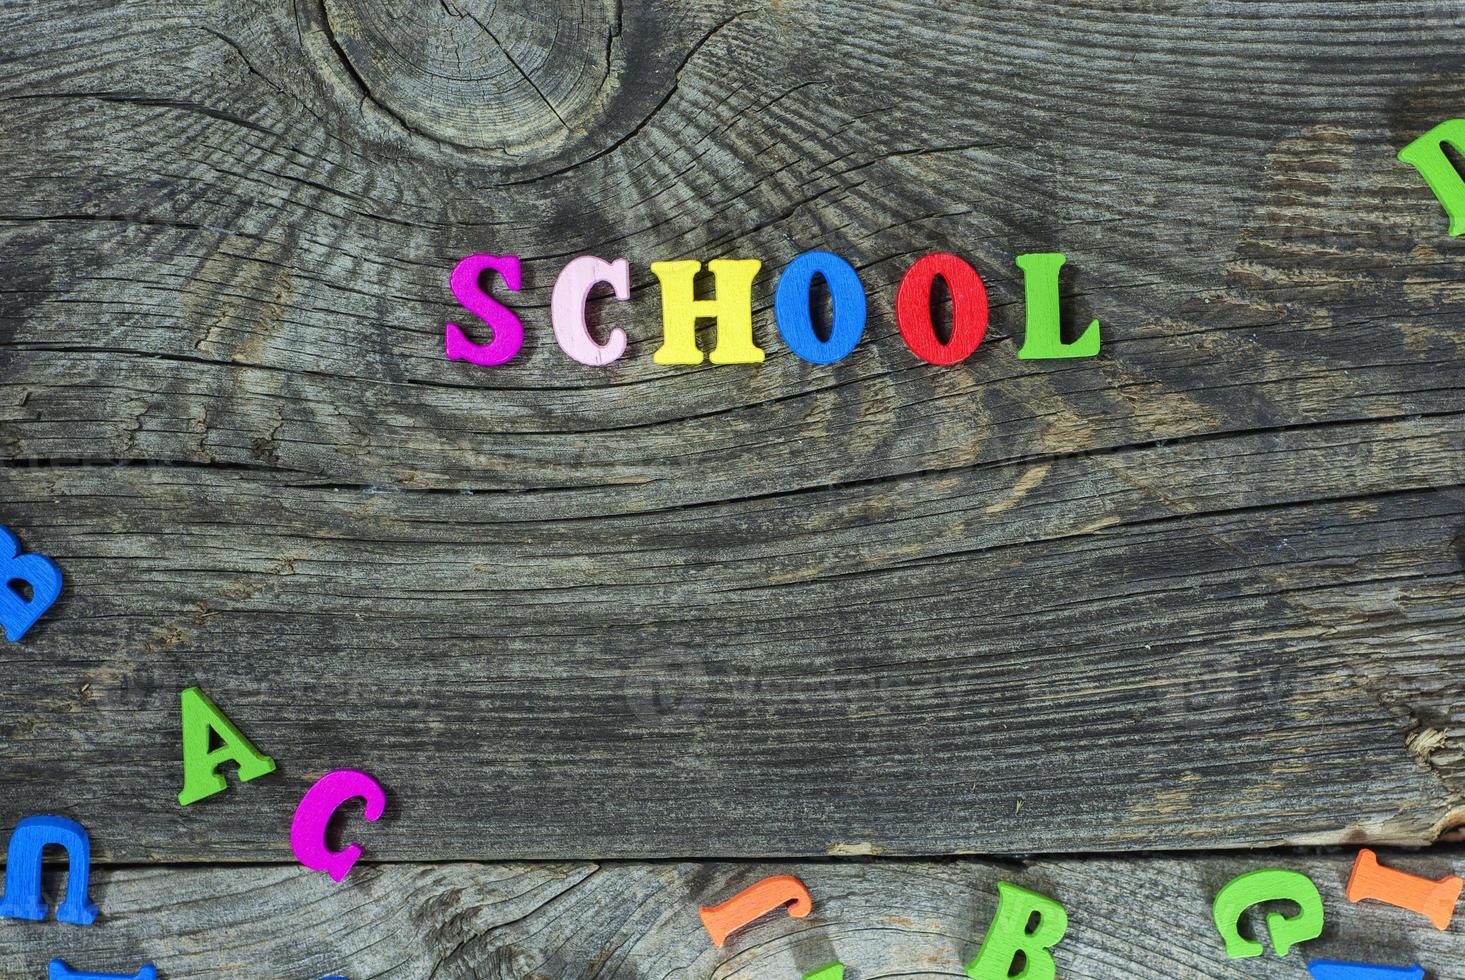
(1427, 155)
(201, 720)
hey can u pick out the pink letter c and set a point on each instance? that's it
(567, 308)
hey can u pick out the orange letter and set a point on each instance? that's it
(1435, 900)
(753, 902)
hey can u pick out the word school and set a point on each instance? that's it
(733, 310)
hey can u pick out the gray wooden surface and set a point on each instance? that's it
(1201, 591)
(1147, 919)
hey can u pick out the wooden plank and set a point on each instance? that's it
(1203, 590)
(1146, 918)
(1277, 683)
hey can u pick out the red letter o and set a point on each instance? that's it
(968, 309)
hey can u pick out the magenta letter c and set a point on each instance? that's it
(321, 801)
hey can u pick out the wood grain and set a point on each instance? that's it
(1146, 918)
(1201, 591)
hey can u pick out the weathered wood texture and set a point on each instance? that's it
(1141, 918)
(1201, 591)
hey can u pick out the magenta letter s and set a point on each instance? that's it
(508, 332)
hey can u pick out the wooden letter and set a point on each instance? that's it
(17, 613)
(791, 307)
(1268, 885)
(753, 902)
(60, 971)
(567, 308)
(968, 309)
(829, 971)
(733, 310)
(508, 332)
(308, 829)
(23, 871)
(201, 720)
(1009, 935)
(1427, 155)
(1044, 337)
(1435, 900)
(1341, 970)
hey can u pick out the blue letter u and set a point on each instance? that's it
(23, 871)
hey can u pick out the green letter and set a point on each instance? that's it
(1008, 935)
(201, 719)
(1044, 338)
(829, 971)
(1427, 155)
(1269, 885)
